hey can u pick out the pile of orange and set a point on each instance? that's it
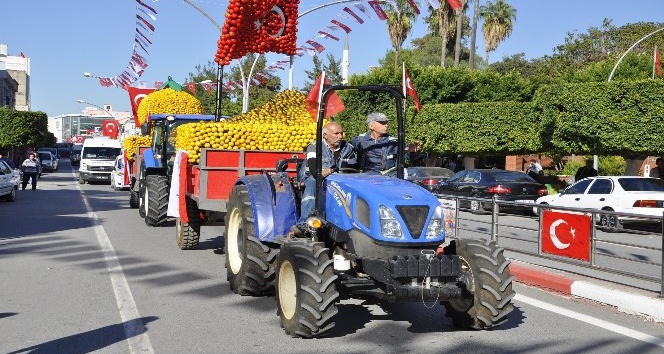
(281, 124)
(131, 143)
(168, 101)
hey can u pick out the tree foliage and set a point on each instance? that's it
(19, 129)
(332, 71)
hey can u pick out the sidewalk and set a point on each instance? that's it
(627, 300)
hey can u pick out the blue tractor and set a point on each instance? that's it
(369, 235)
(150, 189)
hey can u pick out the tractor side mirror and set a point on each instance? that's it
(145, 129)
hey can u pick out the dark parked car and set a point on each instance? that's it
(513, 186)
(427, 177)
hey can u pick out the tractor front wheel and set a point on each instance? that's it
(133, 199)
(156, 200)
(487, 285)
(306, 291)
(249, 262)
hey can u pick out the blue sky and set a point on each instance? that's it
(63, 39)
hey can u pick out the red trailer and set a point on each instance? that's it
(204, 189)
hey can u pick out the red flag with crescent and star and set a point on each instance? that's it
(110, 128)
(136, 94)
(258, 26)
(566, 234)
(409, 89)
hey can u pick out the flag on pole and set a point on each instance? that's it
(126, 170)
(658, 64)
(409, 89)
(333, 105)
(454, 4)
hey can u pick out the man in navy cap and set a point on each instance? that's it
(376, 150)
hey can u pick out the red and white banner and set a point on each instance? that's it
(454, 4)
(125, 170)
(566, 234)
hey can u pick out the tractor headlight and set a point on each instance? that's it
(435, 228)
(389, 225)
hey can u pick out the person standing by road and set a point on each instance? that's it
(658, 170)
(376, 150)
(586, 171)
(30, 170)
(337, 153)
(3, 157)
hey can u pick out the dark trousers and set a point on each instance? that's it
(26, 177)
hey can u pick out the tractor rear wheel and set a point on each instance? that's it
(249, 262)
(188, 233)
(133, 199)
(156, 199)
(306, 291)
(487, 294)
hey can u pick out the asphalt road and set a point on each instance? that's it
(82, 273)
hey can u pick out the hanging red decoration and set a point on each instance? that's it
(258, 26)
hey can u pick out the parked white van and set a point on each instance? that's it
(97, 159)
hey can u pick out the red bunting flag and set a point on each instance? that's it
(357, 18)
(326, 35)
(333, 105)
(378, 10)
(454, 4)
(409, 89)
(319, 48)
(340, 25)
(414, 6)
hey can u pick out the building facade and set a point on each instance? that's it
(14, 80)
(71, 128)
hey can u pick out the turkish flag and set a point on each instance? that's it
(110, 128)
(566, 234)
(333, 105)
(136, 94)
(191, 87)
(258, 27)
(409, 89)
(125, 168)
(454, 4)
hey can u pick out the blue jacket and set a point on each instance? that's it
(375, 155)
(346, 159)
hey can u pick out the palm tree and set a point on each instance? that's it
(473, 35)
(498, 24)
(400, 20)
(459, 31)
(440, 24)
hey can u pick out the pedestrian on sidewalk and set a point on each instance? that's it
(30, 170)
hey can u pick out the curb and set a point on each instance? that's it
(651, 307)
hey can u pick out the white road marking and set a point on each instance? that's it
(592, 320)
(135, 331)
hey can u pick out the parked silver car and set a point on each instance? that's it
(9, 181)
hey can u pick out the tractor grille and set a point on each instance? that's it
(415, 217)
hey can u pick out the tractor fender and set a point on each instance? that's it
(152, 166)
(272, 204)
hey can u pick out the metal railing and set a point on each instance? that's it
(630, 254)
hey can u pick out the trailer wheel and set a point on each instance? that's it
(249, 262)
(487, 282)
(156, 199)
(189, 233)
(306, 291)
(133, 199)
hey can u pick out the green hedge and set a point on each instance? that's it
(19, 129)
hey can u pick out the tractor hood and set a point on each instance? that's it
(355, 201)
